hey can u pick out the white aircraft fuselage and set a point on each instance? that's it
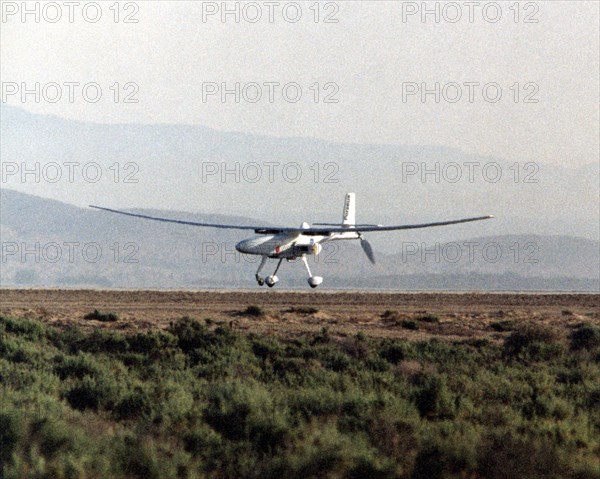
(289, 246)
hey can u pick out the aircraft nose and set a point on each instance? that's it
(242, 246)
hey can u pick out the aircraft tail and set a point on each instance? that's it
(349, 213)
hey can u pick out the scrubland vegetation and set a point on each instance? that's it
(202, 400)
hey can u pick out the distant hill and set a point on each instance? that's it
(563, 201)
(55, 244)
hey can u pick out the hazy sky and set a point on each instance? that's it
(374, 53)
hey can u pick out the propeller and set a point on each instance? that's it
(366, 246)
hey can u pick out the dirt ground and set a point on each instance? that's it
(461, 315)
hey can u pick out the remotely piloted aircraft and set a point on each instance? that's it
(290, 243)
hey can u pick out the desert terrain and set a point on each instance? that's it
(447, 316)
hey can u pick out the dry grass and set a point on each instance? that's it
(465, 316)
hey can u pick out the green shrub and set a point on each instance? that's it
(593, 399)
(355, 412)
(29, 329)
(138, 457)
(54, 435)
(84, 395)
(377, 364)
(357, 347)
(325, 452)
(11, 432)
(507, 455)
(303, 310)
(101, 341)
(135, 404)
(224, 336)
(439, 459)
(201, 402)
(535, 341)
(428, 318)
(75, 366)
(254, 310)
(191, 335)
(503, 326)
(70, 340)
(134, 360)
(394, 352)
(189, 332)
(172, 401)
(432, 397)
(409, 324)
(337, 361)
(104, 317)
(246, 412)
(94, 393)
(204, 441)
(22, 355)
(322, 337)
(151, 342)
(314, 402)
(8, 345)
(266, 348)
(283, 367)
(586, 336)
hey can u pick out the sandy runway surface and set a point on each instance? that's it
(292, 313)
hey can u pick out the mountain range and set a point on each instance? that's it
(172, 167)
(544, 235)
(55, 244)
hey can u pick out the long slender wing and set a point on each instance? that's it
(258, 229)
(341, 229)
(320, 231)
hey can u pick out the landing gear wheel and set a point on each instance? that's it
(315, 281)
(259, 279)
(272, 281)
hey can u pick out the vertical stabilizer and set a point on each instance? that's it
(349, 214)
